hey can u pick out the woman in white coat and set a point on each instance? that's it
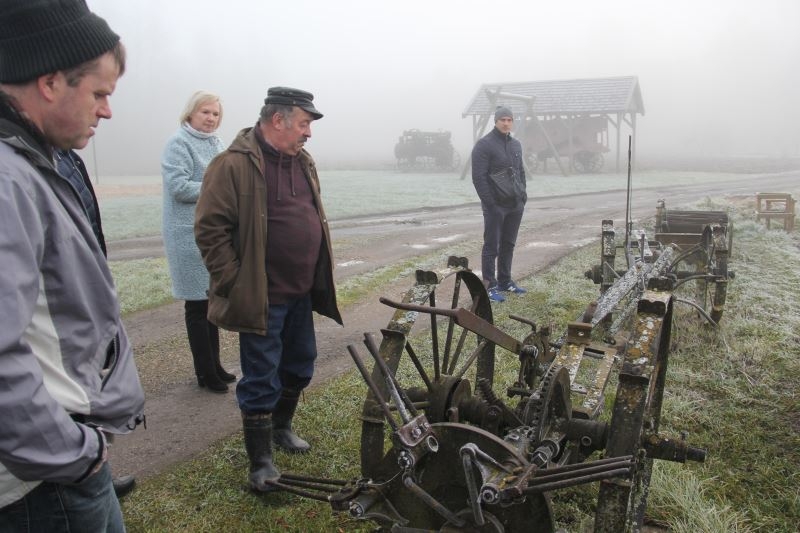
(186, 156)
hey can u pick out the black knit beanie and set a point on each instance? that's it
(502, 112)
(38, 37)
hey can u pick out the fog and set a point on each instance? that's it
(718, 78)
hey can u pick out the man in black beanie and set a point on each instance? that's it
(68, 378)
(499, 179)
(264, 238)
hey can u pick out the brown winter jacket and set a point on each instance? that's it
(231, 231)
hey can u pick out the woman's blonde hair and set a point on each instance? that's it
(198, 99)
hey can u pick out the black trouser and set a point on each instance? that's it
(500, 228)
(203, 338)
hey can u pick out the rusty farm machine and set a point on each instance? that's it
(426, 151)
(441, 450)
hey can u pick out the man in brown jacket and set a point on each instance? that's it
(264, 238)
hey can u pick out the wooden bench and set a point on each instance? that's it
(777, 206)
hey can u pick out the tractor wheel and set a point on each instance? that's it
(436, 364)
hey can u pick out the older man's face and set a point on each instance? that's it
(294, 131)
(505, 124)
(74, 112)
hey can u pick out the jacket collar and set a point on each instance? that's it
(500, 135)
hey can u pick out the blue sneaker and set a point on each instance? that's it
(495, 296)
(513, 288)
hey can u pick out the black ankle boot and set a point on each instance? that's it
(224, 375)
(215, 384)
(258, 444)
(282, 434)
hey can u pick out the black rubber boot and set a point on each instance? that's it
(282, 434)
(258, 443)
(213, 337)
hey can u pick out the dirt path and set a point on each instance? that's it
(183, 420)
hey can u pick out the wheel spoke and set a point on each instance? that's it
(471, 359)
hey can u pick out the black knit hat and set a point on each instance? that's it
(293, 97)
(38, 37)
(502, 112)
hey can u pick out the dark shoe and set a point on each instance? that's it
(123, 485)
(513, 288)
(225, 376)
(282, 434)
(214, 385)
(495, 296)
(258, 444)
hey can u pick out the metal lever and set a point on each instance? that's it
(467, 320)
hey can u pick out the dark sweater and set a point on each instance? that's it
(293, 227)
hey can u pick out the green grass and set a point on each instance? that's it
(141, 283)
(131, 216)
(734, 389)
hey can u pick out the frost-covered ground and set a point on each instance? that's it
(131, 206)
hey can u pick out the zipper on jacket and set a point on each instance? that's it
(112, 356)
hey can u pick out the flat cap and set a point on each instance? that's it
(294, 97)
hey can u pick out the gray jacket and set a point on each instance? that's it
(66, 365)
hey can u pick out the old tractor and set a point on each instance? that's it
(441, 450)
(426, 151)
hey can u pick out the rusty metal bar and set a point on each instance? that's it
(547, 487)
(465, 319)
(578, 466)
(471, 359)
(372, 387)
(434, 335)
(415, 360)
(432, 502)
(451, 324)
(587, 468)
(304, 493)
(288, 476)
(391, 383)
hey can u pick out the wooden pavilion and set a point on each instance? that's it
(562, 118)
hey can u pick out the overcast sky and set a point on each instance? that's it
(718, 77)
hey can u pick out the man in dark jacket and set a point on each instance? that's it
(264, 237)
(67, 372)
(499, 179)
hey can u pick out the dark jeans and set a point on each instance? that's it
(283, 358)
(500, 228)
(90, 506)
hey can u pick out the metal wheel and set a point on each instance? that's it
(532, 161)
(636, 414)
(551, 404)
(436, 365)
(442, 476)
(705, 268)
(585, 161)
